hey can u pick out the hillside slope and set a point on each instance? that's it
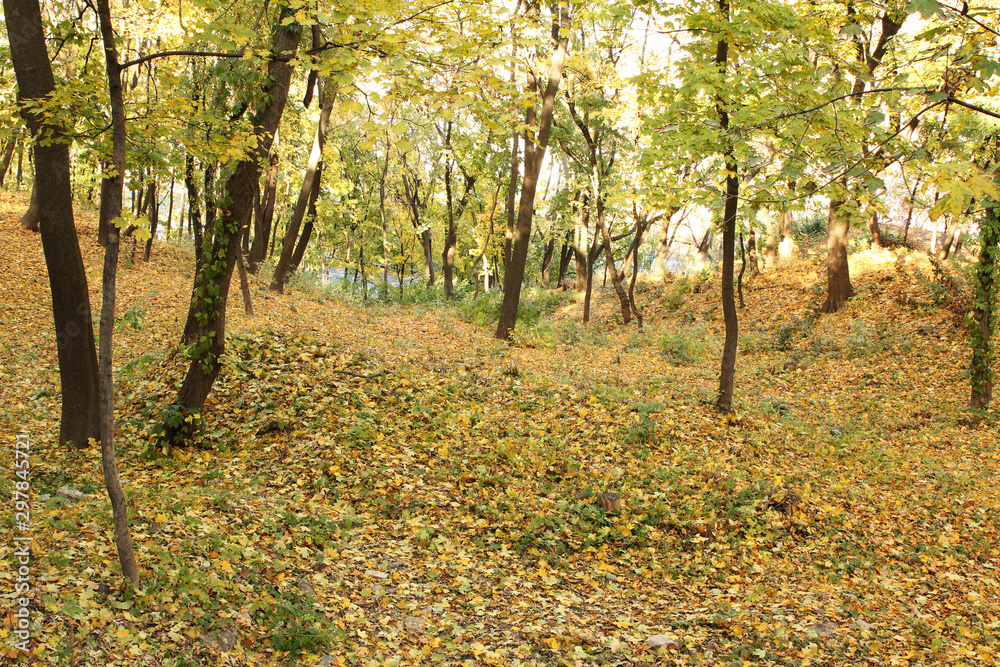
(388, 485)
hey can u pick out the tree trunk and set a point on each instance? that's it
(170, 206)
(194, 219)
(119, 509)
(8, 154)
(752, 255)
(244, 284)
(588, 280)
(32, 217)
(515, 167)
(581, 241)
(154, 217)
(265, 216)
(954, 231)
(983, 325)
(728, 367)
(307, 229)
(743, 268)
(305, 192)
(837, 269)
(875, 242)
(565, 255)
(550, 248)
(78, 369)
(212, 291)
(609, 263)
(533, 154)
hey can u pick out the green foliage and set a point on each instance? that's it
(812, 226)
(294, 624)
(685, 347)
(132, 318)
(677, 295)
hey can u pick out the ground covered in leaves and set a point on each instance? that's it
(388, 484)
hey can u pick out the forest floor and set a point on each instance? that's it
(389, 484)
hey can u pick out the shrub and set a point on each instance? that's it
(683, 347)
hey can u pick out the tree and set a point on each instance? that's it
(535, 145)
(123, 539)
(78, 368)
(212, 290)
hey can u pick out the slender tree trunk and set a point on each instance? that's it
(312, 174)
(533, 155)
(265, 217)
(609, 263)
(194, 219)
(743, 268)
(550, 248)
(581, 241)
(170, 206)
(8, 154)
(123, 540)
(78, 369)
(32, 217)
(307, 228)
(244, 284)
(515, 167)
(565, 256)
(213, 286)
(588, 280)
(752, 255)
(154, 218)
(728, 367)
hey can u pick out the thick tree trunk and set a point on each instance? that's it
(78, 369)
(212, 292)
(533, 154)
(837, 269)
(875, 241)
(116, 494)
(983, 325)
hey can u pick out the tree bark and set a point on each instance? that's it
(265, 217)
(78, 369)
(305, 192)
(728, 367)
(8, 154)
(875, 242)
(32, 217)
(533, 155)
(153, 213)
(307, 228)
(752, 255)
(581, 241)
(838, 274)
(212, 291)
(194, 220)
(609, 263)
(550, 248)
(116, 494)
(984, 318)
